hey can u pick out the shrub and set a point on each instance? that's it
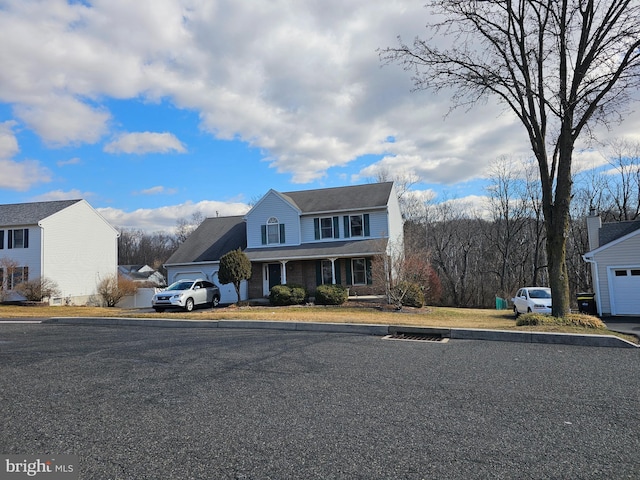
(235, 267)
(114, 287)
(37, 289)
(331, 295)
(408, 294)
(571, 320)
(281, 295)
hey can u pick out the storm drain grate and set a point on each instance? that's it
(418, 337)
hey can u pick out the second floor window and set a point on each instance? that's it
(18, 238)
(272, 232)
(356, 225)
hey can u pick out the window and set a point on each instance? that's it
(327, 272)
(272, 232)
(621, 273)
(10, 277)
(18, 238)
(326, 227)
(1, 244)
(359, 270)
(356, 225)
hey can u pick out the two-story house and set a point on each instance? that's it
(308, 238)
(65, 241)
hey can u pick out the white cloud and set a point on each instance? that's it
(8, 142)
(141, 143)
(70, 161)
(305, 86)
(158, 190)
(165, 218)
(18, 175)
(21, 176)
(62, 195)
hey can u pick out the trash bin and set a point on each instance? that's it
(587, 303)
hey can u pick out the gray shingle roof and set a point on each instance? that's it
(31, 213)
(355, 197)
(212, 239)
(348, 248)
(614, 230)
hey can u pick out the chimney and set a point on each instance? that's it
(594, 222)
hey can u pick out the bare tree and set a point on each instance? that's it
(185, 227)
(623, 183)
(559, 65)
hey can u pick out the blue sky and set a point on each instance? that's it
(155, 109)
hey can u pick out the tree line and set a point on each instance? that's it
(479, 253)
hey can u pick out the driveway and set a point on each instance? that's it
(148, 403)
(628, 325)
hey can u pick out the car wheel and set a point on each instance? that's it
(215, 302)
(159, 310)
(188, 306)
(516, 312)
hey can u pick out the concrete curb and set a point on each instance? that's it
(362, 329)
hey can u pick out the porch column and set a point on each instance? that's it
(284, 271)
(333, 270)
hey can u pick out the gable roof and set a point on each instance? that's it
(31, 213)
(615, 230)
(613, 233)
(211, 240)
(356, 197)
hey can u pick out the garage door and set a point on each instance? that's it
(626, 291)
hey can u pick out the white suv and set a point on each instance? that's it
(532, 299)
(186, 294)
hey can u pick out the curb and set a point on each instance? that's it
(362, 329)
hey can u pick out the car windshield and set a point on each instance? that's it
(180, 286)
(539, 293)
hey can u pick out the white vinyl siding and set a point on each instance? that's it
(79, 249)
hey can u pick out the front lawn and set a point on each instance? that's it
(447, 317)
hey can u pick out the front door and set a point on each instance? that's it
(275, 275)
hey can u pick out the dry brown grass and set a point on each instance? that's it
(370, 314)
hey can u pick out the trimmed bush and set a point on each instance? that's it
(571, 320)
(408, 294)
(331, 295)
(282, 295)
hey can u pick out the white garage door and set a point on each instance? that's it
(626, 291)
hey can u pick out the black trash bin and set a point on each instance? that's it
(587, 303)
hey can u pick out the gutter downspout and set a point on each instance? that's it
(596, 281)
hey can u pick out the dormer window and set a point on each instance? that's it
(272, 232)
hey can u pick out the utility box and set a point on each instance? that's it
(587, 303)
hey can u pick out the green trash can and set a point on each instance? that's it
(587, 303)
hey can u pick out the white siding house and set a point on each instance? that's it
(67, 242)
(615, 265)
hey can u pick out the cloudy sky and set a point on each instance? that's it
(154, 109)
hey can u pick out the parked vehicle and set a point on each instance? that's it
(187, 294)
(532, 299)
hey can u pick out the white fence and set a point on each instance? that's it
(142, 299)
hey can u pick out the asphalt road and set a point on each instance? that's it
(154, 403)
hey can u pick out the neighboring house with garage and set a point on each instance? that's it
(615, 265)
(308, 238)
(65, 241)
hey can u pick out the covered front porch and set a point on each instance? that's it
(344, 263)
